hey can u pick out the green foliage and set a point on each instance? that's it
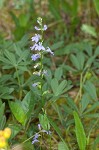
(44, 122)
(96, 4)
(71, 86)
(22, 110)
(2, 116)
(80, 133)
(89, 29)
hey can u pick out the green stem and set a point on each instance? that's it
(81, 85)
(20, 91)
(42, 68)
(79, 94)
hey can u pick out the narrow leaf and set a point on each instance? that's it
(80, 133)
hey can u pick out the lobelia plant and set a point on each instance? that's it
(39, 51)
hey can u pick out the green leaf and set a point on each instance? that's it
(1, 3)
(71, 103)
(60, 88)
(54, 8)
(90, 88)
(94, 106)
(89, 30)
(96, 4)
(11, 57)
(80, 133)
(58, 73)
(2, 107)
(2, 122)
(54, 85)
(67, 109)
(28, 104)
(58, 132)
(23, 20)
(15, 130)
(61, 146)
(57, 45)
(97, 51)
(84, 102)
(18, 112)
(96, 143)
(75, 61)
(44, 121)
(81, 60)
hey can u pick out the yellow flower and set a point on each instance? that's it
(2, 142)
(1, 133)
(7, 133)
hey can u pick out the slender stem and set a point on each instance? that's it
(81, 85)
(17, 76)
(42, 78)
(20, 93)
(42, 67)
(79, 94)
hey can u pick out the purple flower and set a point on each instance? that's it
(47, 132)
(45, 27)
(35, 84)
(36, 38)
(33, 47)
(49, 51)
(39, 126)
(35, 56)
(36, 28)
(36, 136)
(38, 46)
(35, 139)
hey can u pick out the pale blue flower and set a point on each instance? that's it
(36, 28)
(47, 132)
(39, 126)
(36, 38)
(35, 139)
(38, 46)
(45, 27)
(33, 47)
(36, 136)
(49, 51)
(35, 84)
(35, 56)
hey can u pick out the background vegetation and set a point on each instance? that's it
(72, 106)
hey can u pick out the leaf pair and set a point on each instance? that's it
(22, 109)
